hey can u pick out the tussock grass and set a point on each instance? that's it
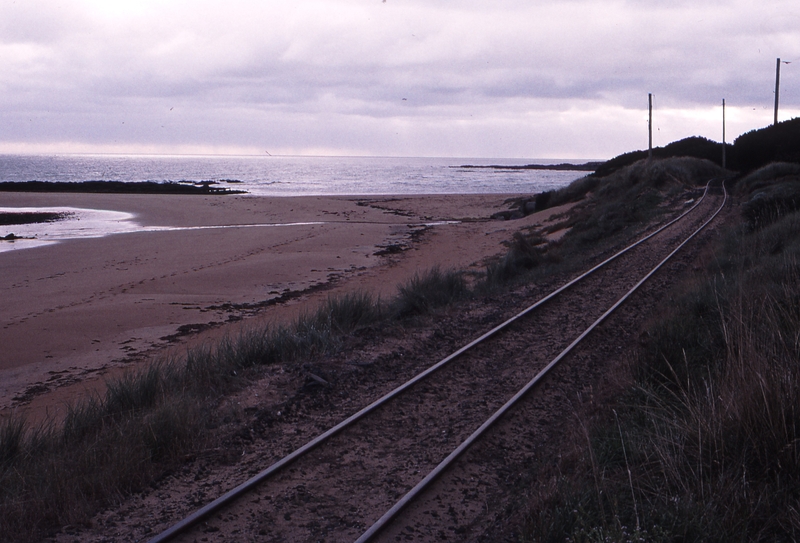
(658, 173)
(770, 192)
(12, 432)
(148, 421)
(107, 447)
(608, 210)
(351, 311)
(525, 252)
(767, 175)
(428, 291)
(634, 195)
(770, 203)
(712, 428)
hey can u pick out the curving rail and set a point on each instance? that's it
(245, 487)
(433, 474)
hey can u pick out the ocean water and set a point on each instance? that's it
(296, 176)
(267, 176)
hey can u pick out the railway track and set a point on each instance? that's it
(389, 456)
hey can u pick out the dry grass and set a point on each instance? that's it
(425, 292)
(610, 210)
(112, 445)
(711, 433)
(107, 447)
(147, 422)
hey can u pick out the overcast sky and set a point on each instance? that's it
(460, 78)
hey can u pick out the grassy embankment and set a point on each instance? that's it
(148, 423)
(705, 443)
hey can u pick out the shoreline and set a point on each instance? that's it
(79, 310)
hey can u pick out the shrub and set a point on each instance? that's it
(769, 204)
(775, 143)
(693, 147)
(765, 176)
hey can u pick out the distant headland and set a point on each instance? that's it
(564, 166)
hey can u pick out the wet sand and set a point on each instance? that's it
(75, 312)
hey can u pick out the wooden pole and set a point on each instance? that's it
(777, 87)
(723, 133)
(650, 125)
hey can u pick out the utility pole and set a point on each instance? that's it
(777, 87)
(723, 133)
(650, 126)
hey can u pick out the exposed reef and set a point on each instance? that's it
(118, 187)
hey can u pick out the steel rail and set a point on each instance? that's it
(391, 513)
(232, 494)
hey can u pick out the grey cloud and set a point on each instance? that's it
(290, 71)
(35, 22)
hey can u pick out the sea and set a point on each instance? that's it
(298, 175)
(258, 175)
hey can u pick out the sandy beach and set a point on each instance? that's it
(77, 311)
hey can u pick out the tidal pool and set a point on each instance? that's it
(74, 222)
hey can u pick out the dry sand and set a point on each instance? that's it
(79, 311)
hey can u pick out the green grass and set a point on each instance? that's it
(526, 252)
(425, 292)
(712, 427)
(111, 445)
(634, 195)
(107, 447)
(769, 193)
(608, 211)
(148, 421)
(767, 175)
